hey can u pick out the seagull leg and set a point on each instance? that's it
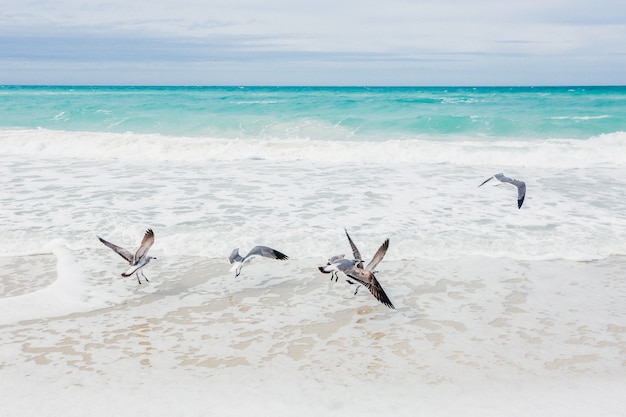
(353, 283)
(144, 276)
(138, 279)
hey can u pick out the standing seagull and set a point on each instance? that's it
(237, 261)
(139, 259)
(520, 185)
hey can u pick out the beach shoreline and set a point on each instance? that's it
(478, 316)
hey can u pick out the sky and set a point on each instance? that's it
(321, 42)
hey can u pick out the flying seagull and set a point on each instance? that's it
(358, 274)
(520, 185)
(365, 276)
(237, 261)
(139, 259)
(336, 264)
(339, 263)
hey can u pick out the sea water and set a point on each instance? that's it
(499, 310)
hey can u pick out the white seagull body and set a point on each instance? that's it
(338, 264)
(520, 185)
(137, 260)
(263, 251)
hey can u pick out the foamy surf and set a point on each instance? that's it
(67, 293)
(499, 310)
(601, 151)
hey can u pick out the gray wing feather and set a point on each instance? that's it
(369, 281)
(520, 185)
(344, 264)
(146, 244)
(266, 252)
(378, 256)
(119, 250)
(234, 256)
(486, 181)
(335, 258)
(521, 193)
(355, 251)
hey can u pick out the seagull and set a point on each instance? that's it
(339, 263)
(139, 259)
(365, 276)
(520, 185)
(262, 251)
(336, 264)
(357, 274)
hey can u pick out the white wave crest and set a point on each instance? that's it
(608, 149)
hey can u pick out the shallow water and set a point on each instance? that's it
(533, 333)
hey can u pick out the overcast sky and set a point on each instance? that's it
(316, 42)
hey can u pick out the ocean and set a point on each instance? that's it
(498, 310)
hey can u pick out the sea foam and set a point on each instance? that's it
(603, 150)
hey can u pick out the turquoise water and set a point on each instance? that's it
(333, 113)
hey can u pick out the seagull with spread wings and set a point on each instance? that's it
(357, 274)
(238, 261)
(337, 264)
(520, 185)
(139, 259)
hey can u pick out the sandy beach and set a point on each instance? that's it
(475, 326)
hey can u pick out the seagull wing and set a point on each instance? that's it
(334, 263)
(344, 264)
(119, 250)
(355, 251)
(369, 281)
(146, 244)
(266, 252)
(335, 258)
(234, 256)
(378, 256)
(520, 185)
(521, 193)
(486, 181)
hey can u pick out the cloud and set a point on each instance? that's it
(416, 40)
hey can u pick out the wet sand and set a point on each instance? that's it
(464, 324)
